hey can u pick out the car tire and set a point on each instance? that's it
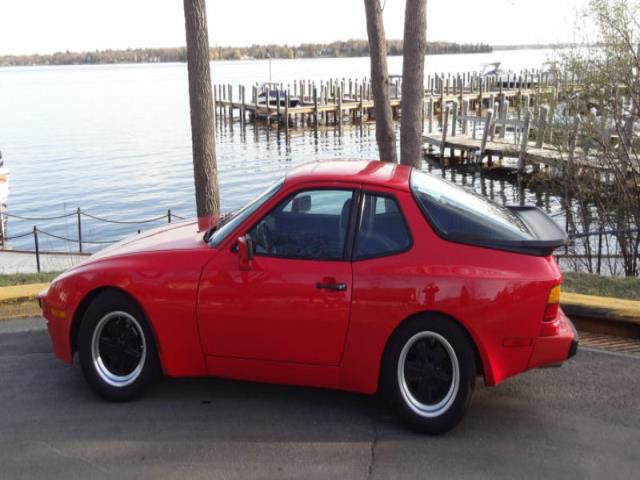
(428, 373)
(116, 348)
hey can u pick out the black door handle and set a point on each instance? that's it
(338, 287)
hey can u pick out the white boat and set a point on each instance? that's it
(4, 195)
(511, 79)
(4, 182)
(488, 69)
(274, 89)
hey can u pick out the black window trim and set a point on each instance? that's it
(348, 247)
(356, 226)
(354, 217)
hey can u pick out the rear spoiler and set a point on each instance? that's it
(547, 235)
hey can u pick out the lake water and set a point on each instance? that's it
(115, 140)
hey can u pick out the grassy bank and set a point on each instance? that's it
(9, 280)
(588, 284)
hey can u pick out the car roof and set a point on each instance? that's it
(377, 173)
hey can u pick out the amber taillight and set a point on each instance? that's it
(550, 322)
(553, 304)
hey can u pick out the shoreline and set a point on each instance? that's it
(494, 49)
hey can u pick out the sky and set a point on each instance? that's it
(46, 26)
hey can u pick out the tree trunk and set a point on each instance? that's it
(385, 134)
(414, 50)
(205, 171)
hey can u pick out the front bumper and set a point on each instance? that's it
(58, 324)
(556, 349)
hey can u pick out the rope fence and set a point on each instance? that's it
(79, 240)
(81, 213)
(38, 219)
(170, 216)
(73, 240)
(22, 235)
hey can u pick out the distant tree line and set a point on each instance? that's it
(348, 48)
(537, 46)
(138, 55)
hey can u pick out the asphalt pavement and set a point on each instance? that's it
(578, 421)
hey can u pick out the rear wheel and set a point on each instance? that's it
(428, 373)
(117, 352)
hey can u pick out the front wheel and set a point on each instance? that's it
(116, 348)
(428, 373)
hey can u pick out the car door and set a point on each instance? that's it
(293, 304)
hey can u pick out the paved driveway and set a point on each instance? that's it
(579, 421)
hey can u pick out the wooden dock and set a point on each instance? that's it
(482, 118)
(342, 100)
(530, 133)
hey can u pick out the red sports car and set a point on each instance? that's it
(361, 276)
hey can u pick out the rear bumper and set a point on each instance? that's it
(573, 349)
(555, 349)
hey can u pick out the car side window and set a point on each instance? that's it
(311, 224)
(382, 229)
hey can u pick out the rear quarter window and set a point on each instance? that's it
(382, 229)
(461, 215)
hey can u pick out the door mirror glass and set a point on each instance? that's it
(245, 252)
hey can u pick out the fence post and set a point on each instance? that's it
(315, 109)
(599, 265)
(445, 127)
(35, 240)
(79, 230)
(169, 216)
(286, 110)
(3, 233)
(339, 94)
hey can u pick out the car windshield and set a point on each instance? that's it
(228, 224)
(455, 211)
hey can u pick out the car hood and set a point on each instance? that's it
(176, 236)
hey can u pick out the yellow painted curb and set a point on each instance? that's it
(610, 307)
(21, 291)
